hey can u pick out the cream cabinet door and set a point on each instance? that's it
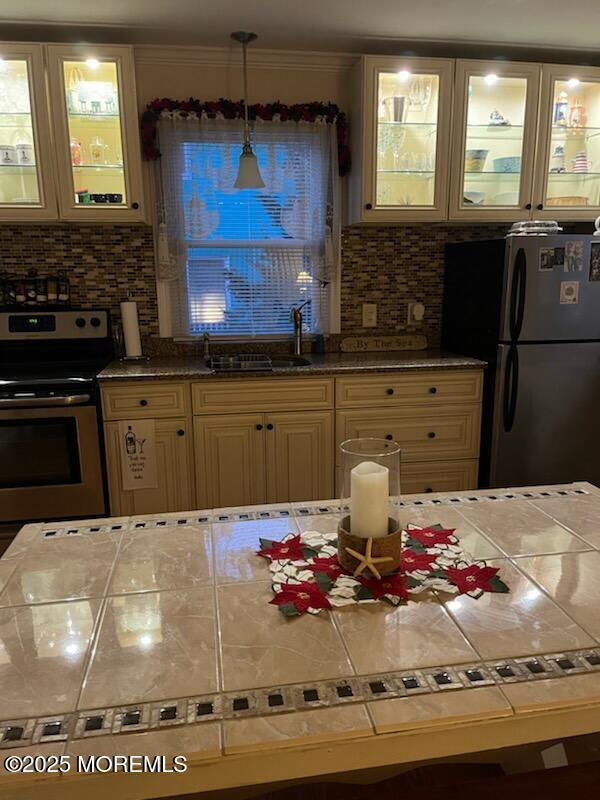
(230, 460)
(299, 456)
(175, 490)
(95, 118)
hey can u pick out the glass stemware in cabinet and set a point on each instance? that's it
(94, 124)
(406, 138)
(496, 107)
(19, 179)
(573, 170)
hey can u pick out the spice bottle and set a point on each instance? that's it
(30, 284)
(20, 290)
(10, 293)
(52, 288)
(41, 291)
(3, 288)
(64, 288)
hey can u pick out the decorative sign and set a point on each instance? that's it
(569, 292)
(370, 344)
(137, 443)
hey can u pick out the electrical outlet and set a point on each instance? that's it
(369, 315)
(416, 312)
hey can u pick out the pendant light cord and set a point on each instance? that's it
(245, 89)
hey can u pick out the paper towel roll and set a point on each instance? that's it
(131, 329)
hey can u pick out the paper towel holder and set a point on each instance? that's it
(120, 347)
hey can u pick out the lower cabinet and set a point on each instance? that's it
(247, 459)
(174, 460)
(440, 476)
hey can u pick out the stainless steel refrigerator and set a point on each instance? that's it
(530, 307)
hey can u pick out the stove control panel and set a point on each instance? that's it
(82, 324)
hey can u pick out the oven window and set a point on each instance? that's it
(39, 452)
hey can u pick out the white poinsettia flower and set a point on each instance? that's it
(339, 602)
(341, 591)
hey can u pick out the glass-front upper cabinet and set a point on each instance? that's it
(26, 188)
(404, 110)
(568, 175)
(93, 95)
(494, 140)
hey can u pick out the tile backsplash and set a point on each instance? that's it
(387, 265)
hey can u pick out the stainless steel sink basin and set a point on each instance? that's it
(289, 361)
(254, 362)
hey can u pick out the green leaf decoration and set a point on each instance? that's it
(324, 582)
(363, 594)
(498, 585)
(265, 544)
(411, 583)
(439, 573)
(308, 552)
(414, 544)
(289, 610)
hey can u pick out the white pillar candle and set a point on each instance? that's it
(369, 499)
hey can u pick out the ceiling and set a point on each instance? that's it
(341, 25)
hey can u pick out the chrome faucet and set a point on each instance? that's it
(296, 317)
(206, 340)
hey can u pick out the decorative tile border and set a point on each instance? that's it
(297, 697)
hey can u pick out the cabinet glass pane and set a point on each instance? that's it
(494, 140)
(95, 137)
(574, 166)
(19, 180)
(407, 112)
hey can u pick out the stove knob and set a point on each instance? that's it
(80, 322)
(95, 322)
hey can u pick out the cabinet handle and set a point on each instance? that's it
(429, 489)
(135, 205)
(389, 391)
(180, 432)
(368, 206)
(431, 435)
(539, 206)
(143, 402)
(259, 427)
(433, 390)
(270, 426)
(528, 206)
(389, 437)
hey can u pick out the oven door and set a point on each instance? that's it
(50, 464)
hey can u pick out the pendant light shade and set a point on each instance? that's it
(248, 176)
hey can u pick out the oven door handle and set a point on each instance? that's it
(44, 402)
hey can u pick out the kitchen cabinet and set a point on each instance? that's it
(401, 116)
(493, 142)
(94, 115)
(26, 163)
(174, 459)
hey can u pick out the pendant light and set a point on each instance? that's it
(248, 176)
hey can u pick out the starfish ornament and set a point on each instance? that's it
(367, 561)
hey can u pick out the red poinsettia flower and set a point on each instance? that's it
(330, 566)
(467, 579)
(390, 584)
(411, 561)
(429, 537)
(290, 550)
(302, 596)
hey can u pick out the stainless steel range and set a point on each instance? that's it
(51, 463)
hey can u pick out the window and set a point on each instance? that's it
(242, 258)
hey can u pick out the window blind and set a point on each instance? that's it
(245, 257)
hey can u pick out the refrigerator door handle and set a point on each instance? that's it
(511, 387)
(517, 294)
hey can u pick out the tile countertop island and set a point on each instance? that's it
(154, 635)
(168, 368)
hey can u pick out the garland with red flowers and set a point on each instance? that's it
(228, 109)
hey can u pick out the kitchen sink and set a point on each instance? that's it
(253, 362)
(289, 361)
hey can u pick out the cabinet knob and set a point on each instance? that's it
(389, 391)
(143, 402)
(528, 206)
(433, 390)
(431, 435)
(389, 437)
(135, 205)
(539, 206)
(259, 427)
(180, 432)
(270, 426)
(368, 206)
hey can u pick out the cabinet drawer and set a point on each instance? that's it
(424, 434)
(275, 394)
(430, 388)
(438, 476)
(141, 400)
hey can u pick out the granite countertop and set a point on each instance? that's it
(121, 620)
(326, 364)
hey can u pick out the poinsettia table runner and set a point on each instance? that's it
(306, 574)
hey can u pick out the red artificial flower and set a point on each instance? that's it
(468, 579)
(429, 537)
(302, 596)
(290, 550)
(411, 561)
(390, 584)
(330, 566)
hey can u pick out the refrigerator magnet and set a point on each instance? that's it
(559, 256)
(573, 256)
(546, 259)
(595, 261)
(569, 293)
